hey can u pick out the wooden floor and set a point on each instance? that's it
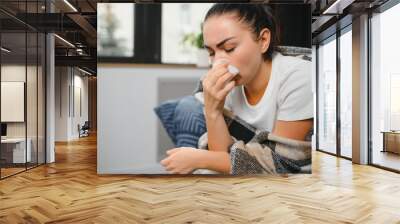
(70, 191)
(5, 172)
(387, 159)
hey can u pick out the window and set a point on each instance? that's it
(154, 33)
(346, 94)
(122, 30)
(116, 30)
(385, 88)
(327, 96)
(120, 25)
(178, 20)
(394, 101)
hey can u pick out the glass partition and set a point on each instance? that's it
(14, 153)
(22, 77)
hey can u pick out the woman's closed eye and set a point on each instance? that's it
(229, 50)
(212, 53)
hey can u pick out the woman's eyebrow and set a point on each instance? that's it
(220, 43)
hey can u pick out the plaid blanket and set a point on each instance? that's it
(258, 151)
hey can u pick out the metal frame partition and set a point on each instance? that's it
(35, 33)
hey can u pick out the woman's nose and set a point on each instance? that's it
(218, 61)
(220, 57)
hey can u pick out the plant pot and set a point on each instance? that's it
(202, 58)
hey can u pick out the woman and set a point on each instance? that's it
(271, 92)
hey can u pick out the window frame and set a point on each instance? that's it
(143, 54)
(333, 33)
(333, 37)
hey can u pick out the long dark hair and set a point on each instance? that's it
(256, 16)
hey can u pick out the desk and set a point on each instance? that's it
(13, 150)
(391, 141)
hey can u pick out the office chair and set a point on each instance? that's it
(84, 130)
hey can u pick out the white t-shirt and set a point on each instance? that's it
(288, 96)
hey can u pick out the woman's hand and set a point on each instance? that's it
(182, 160)
(216, 86)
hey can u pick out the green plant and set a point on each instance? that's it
(194, 39)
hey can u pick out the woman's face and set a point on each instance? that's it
(225, 37)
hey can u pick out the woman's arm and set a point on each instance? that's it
(184, 160)
(216, 86)
(297, 130)
(216, 161)
(218, 135)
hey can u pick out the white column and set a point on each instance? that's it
(50, 100)
(360, 90)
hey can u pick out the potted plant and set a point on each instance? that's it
(196, 40)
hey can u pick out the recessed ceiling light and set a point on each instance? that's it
(5, 50)
(337, 7)
(70, 5)
(64, 40)
(86, 72)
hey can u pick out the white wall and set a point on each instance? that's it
(14, 73)
(128, 128)
(10, 73)
(62, 81)
(67, 80)
(80, 83)
(12, 101)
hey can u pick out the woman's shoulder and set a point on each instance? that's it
(291, 68)
(294, 92)
(287, 63)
